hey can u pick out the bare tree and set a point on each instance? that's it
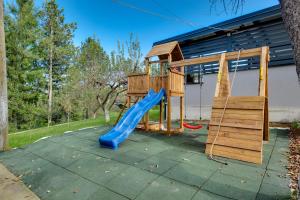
(134, 52)
(3, 86)
(290, 11)
(233, 5)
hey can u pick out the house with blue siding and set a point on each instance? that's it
(260, 28)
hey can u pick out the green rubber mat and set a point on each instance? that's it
(146, 166)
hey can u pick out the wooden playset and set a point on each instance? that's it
(238, 124)
(171, 80)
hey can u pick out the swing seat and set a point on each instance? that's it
(189, 126)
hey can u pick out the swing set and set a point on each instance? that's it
(238, 124)
(200, 80)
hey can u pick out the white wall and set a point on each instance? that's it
(284, 94)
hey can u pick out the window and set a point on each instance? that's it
(193, 78)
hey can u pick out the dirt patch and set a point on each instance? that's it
(294, 159)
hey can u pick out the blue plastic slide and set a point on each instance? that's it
(129, 121)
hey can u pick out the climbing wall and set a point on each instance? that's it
(239, 124)
(241, 130)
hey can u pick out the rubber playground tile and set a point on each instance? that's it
(101, 130)
(74, 142)
(97, 169)
(176, 154)
(15, 153)
(276, 178)
(131, 157)
(232, 187)
(281, 150)
(95, 148)
(268, 147)
(266, 156)
(243, 171)
(167, 189)
(200, 138)
(64, 156)
(39, 146)
(80, 189)
(173, 141)
(91, 135)
(105, 194)
(190, 174)
(25, 164)
(49, 179)
(127, 145)
(268, 191)
(278, 163)
(157, 165)
(131, 181)
(152, 148)
(204, 195)
(194, 146)
(44, 147)
(283, 138)
(282, 133)
(136, 137)
(262, 166)
(201, 160)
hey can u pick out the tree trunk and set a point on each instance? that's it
(50, 83)
(68, 119)
(106, 115)
(290, 10)
(3, 86)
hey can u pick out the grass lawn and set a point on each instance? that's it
(20, 139)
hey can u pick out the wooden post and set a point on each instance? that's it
(223, 82)
(3, 86)
(263, 89)
(129, 101)
(169, 108)
(146, 117)
(169, 112)
(161, 102)
(181, 111)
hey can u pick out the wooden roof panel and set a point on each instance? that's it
(162, 49)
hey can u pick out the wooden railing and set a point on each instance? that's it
(176, 83)
(158, 82)
(138, 84)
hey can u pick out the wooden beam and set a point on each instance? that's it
(137, 74)
(3, 86)
(158, 61)
(213, 58)
(223, 82)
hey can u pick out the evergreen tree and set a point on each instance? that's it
(25, 77)
(57, 47)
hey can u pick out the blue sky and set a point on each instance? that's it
(112, 20)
